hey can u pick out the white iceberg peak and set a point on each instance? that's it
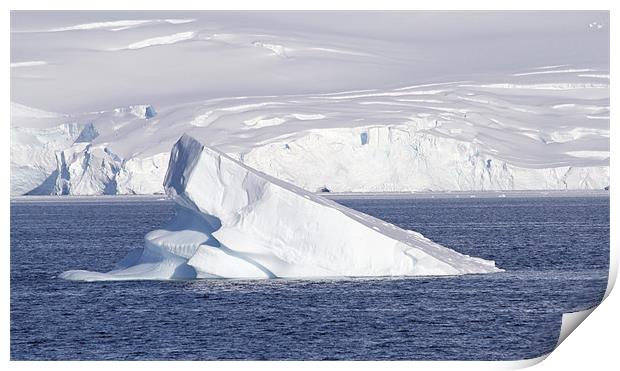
(235, 222)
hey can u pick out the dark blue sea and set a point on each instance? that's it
(555, 252)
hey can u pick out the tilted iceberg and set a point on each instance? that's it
(234, 222)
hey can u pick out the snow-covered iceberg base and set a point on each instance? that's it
(234, 222)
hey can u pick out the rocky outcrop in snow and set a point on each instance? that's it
(235, 222)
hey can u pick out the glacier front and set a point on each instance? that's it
(235, 222)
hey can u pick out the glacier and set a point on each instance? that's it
(234, 222)
(453, 136)
(421, 101)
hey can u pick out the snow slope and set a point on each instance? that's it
(364, 102)
(234, 222)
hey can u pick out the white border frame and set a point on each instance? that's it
(594, 342)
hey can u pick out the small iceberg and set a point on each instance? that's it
(235, 222)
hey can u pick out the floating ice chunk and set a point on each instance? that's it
(235, 222)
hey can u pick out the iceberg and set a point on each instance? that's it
(235, 222)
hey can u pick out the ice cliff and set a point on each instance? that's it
(235, 222)
(445, 137)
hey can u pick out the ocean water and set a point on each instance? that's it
(555, 252)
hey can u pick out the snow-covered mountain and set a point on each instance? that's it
(343, 101)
